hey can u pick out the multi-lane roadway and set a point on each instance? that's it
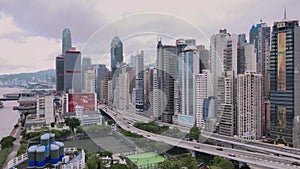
(254, 158)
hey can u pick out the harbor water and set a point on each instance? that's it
(8, 116)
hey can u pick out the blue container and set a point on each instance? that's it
(45, 141)
(54, 153)
(52, 138)
(40, 156)
(61, 149)
(31, 156)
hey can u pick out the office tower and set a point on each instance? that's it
(241, 39)
(285, 83)
(249, 106)
(225, 99)
(104, 87)
(132, 61)
(188, 68)
(204, 57)
(86, 64)
(147, 88)
(109, 93)
(122, 88)
(155, 93)
(59, 64)
(260, 37)
(250, 56)
(241, 60)
(202, 92)
(166, 75)
(101, 71)
(116, 53)
(169, 76)
(139, 81)
(66, 40)
(223, 56)
(89, 80)
(72, 71)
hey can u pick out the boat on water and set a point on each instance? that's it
(1, 105)
(11, 96)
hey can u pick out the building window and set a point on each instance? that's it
(281, 117)
(281, 61)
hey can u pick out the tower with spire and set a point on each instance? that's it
(285, 82)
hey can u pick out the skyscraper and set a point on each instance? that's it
(59, 74)
(86, 64)
(188, 68)
(66, 40)
(202, 92)
(139, 81)
(169, 76)
(116, 53)
(72, 71)
(59, 62)
(241, 60)
(260, 37)
(89, 80)
(250, 55)
(249, 106)
(285, 83)
(223, 56)
(166, 75)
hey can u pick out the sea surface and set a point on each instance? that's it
(8, 116)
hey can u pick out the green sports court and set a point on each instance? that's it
(146, 160)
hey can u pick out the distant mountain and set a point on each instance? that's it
(28, 76)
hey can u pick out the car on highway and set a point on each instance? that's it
(232, 155)
(197, 147)
(148, 135)
(220, 149)
(296, 163)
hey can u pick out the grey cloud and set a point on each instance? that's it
(49, 18)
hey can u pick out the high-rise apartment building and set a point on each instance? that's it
(202, 92)
(249, 105)
(285, 83)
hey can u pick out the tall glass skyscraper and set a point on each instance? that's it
(139, 82)
(116, 53)
(72, 71)
(285, 83)
(66, 40)
(59, 62)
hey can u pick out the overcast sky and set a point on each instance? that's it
(30, 31)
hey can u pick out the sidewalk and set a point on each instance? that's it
(14, 149)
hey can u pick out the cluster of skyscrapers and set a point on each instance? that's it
(247, 89)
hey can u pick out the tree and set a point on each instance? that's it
(7, 142)
(72, 123)
(189, 162)
(194, 133)
(167, 164)
(92, 162)
(222, 163)
(119, 166)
